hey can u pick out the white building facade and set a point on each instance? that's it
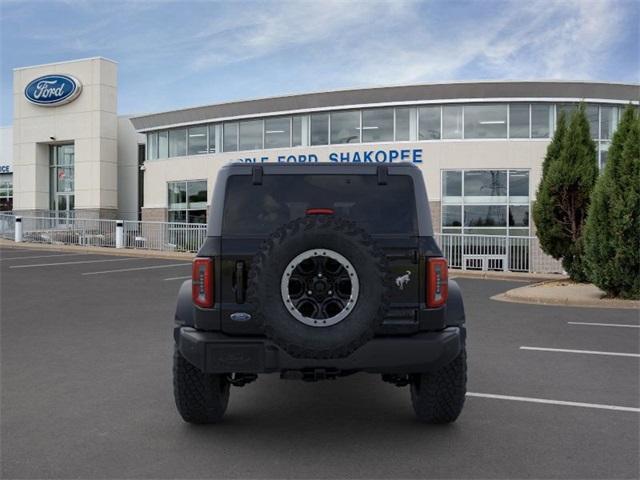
(480, 145)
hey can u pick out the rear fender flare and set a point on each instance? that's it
(184, 307)
(455, 306)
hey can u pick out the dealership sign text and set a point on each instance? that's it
(393, 155)
(53, 90)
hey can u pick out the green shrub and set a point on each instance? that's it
(612, 233)
(569, 174)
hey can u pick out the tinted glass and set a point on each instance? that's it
(345, 127)
(178, 216)
(452, 216)
(197, 216)
(377, 125)
(178, 142)
(519, 184)
(429, 123)
(485, 121)
(484, 184)
(152, 146)
(212, 139)
(452, 184)
(177, 195)
(519, 216)
(163, 144)
(296, 131)
(485, 216)
(277, 132)
(260, 209)
(608, 122)
(403, 123)
(197, 140)
(452, 121)
(541, 120)
(230, 137)
(197, 194)
(251, 135)
(519, 120)
(592, 116)
(320, 129)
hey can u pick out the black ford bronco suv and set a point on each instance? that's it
(316, 272)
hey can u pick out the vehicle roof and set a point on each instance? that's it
(240, 168)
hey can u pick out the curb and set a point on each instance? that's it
(510, 276)
(512, 296)
(125, 252)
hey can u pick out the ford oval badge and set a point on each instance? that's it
(240, 317)
(53, 90)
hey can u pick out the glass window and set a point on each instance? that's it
(604, 152)
(230, 137)
(519, 186)
(187, 202)
(519, 120)
(163, 144)
(519, 216)
(178, 142)
(403, 124)
(251, 135)
(197, 140)
(152, 146)
(320, 129)
(177, 195)
(485, 185)
(61, 179)
(212, 138)
(345, 127)
(429, 123)
(452, 185)
(452, 121)
(485, 121)
(6, 192)
(282, 198)
(568, 109)
(452, 216)
(296, 131)
(592, 116)
(377, 125)
(608, 122)
(485, 216)
(197, 194)
(277, 132)
(541, 120)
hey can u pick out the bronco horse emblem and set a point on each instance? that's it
(402, 281)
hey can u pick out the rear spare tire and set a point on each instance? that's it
(319, 287)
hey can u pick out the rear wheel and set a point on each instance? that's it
(200, 397)
(438, 397)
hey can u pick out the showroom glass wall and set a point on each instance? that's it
(452, 122)
(61, 180)
(485, 202)
(187, 201)
(6, 192)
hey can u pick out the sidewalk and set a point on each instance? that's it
(565, 293)
(127, 252)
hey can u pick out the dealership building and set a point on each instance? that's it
(479, 145)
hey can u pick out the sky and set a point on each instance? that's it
(176, 54)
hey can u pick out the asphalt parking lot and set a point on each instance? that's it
(86, 345)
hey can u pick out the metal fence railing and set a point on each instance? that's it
(7, 226)
(69, 231)
(164, 236)
(497, 253)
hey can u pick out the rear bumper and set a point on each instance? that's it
(214, 352)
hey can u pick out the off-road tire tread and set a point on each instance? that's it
(348, 228)
(200, 397)
(438, 397)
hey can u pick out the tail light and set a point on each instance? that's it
(320, 211)
(437, 281)
(202, 282)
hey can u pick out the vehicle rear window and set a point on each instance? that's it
(260, 209)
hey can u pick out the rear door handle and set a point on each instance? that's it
(239, 281)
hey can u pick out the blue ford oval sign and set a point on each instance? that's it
(53, 90)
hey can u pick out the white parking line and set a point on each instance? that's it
(42, 256)
(75, 263)
(177, 278)
(589, 352)
(604, 324)
(152, 267)
(555, 402)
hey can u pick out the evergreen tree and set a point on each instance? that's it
(612, 233)
(563, 197)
